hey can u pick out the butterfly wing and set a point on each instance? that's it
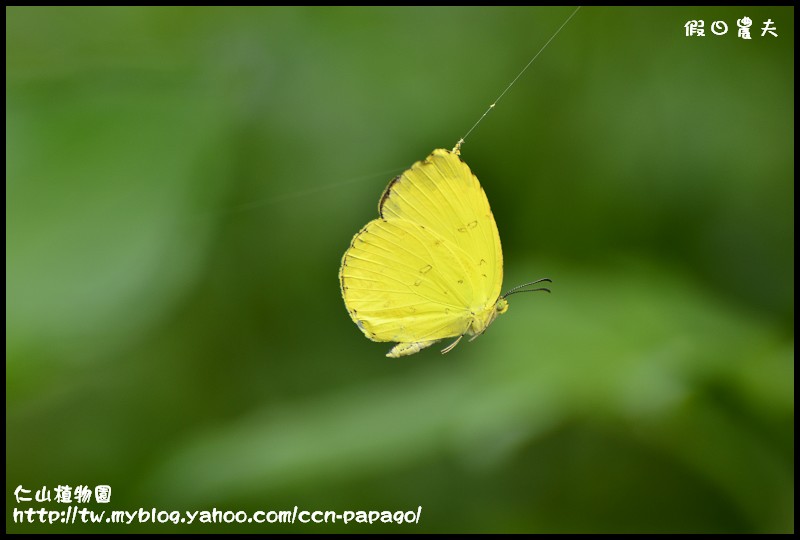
(443, 195)
(418, 273)
(394, 282)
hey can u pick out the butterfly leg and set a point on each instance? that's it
(452, 345)
(476, 336)
(404, 349)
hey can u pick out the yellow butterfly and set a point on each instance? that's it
(431, 266)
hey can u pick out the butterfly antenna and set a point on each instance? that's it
(516, 289)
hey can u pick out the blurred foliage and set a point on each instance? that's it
(181, 185)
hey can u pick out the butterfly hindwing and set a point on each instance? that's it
(394, 279)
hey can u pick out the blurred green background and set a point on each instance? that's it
(181, 186)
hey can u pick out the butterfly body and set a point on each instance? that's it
(431, 266)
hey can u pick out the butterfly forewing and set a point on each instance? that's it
(442, 195)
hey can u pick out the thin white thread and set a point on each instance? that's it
(457, 148)
(271, 199)
(264, 201)
(282, 197)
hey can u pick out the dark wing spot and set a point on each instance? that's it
(417, 283)
(425, 269)
(483, 261)
(460, 281)
(472, 224)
